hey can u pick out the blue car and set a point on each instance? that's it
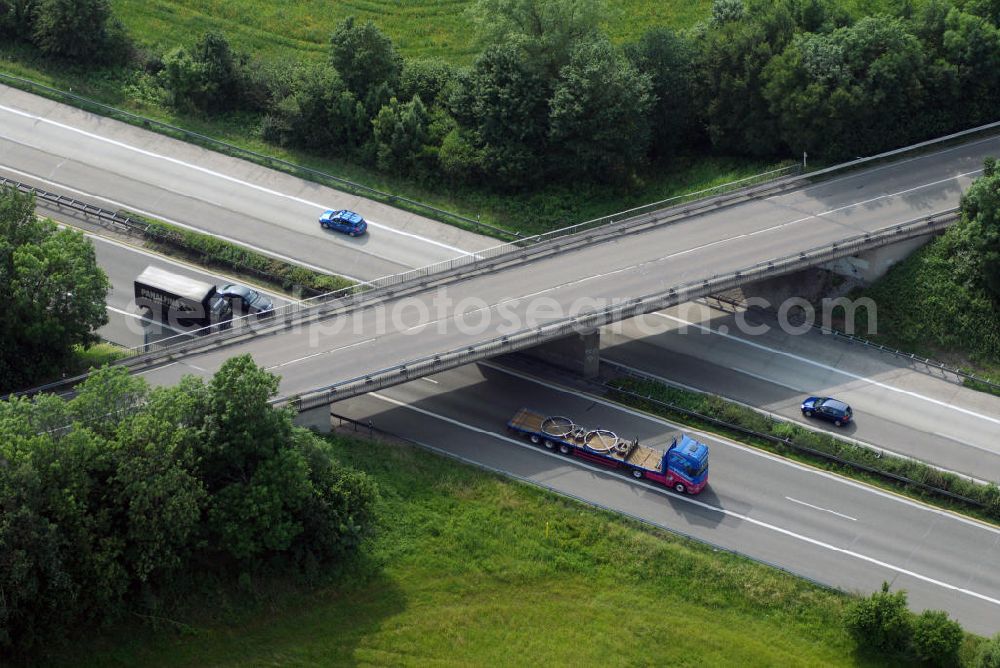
(344, 221)
(827, 408)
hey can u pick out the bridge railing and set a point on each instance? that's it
(629, 309)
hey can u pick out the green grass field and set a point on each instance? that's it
(472, 569)
(300, 29)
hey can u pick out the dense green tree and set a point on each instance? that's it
(546, 30)
(400, 131)
(819, 15)
(107, 498)
(988, 9)
(850, 92)
(504, 101)
(221, 70)
(77, 30)
(206, 77)
(365, 58)
(731, 58)
(979, 259)
(320, 113)
(971, 45)
(600, 114)
(428, 79)
(54, 289)
(17, 19)
(665, 57)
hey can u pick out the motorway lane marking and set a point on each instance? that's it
(143, 212)
(322, 352)
(429, 380)
(751, 450)
(231, 179)
(827, 367)
(701, 504)
(825, 510)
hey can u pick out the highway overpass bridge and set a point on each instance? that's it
(520, 296)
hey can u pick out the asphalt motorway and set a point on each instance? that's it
(898, 406)
(118, 166)
(811, 523)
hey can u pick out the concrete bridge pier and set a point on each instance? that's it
(317, 419)
(578, 352)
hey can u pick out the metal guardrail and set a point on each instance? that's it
(231, 149)
(639, 306)
(852, 338)
(888, 475)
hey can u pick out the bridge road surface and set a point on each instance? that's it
(118, 166)
(545, 290)
(809, 522)
(897, 407)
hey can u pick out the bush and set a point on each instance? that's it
(936, 639)
(988, 655)
(881, 622)
(222, 253)
(76, 30)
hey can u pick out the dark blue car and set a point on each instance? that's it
(829, 409)
(344, 221)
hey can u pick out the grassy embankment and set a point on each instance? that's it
(923, 309)
(473, 569)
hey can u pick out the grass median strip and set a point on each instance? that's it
(212, 252)
(906, 476)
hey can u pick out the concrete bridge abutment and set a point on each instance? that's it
(578, 352)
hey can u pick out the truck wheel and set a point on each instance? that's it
(563, 448)
(534, 439)
(680, 488)
(549, 445)
(637, 474)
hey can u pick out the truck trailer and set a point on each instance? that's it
(179, 300)
(683, 466)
